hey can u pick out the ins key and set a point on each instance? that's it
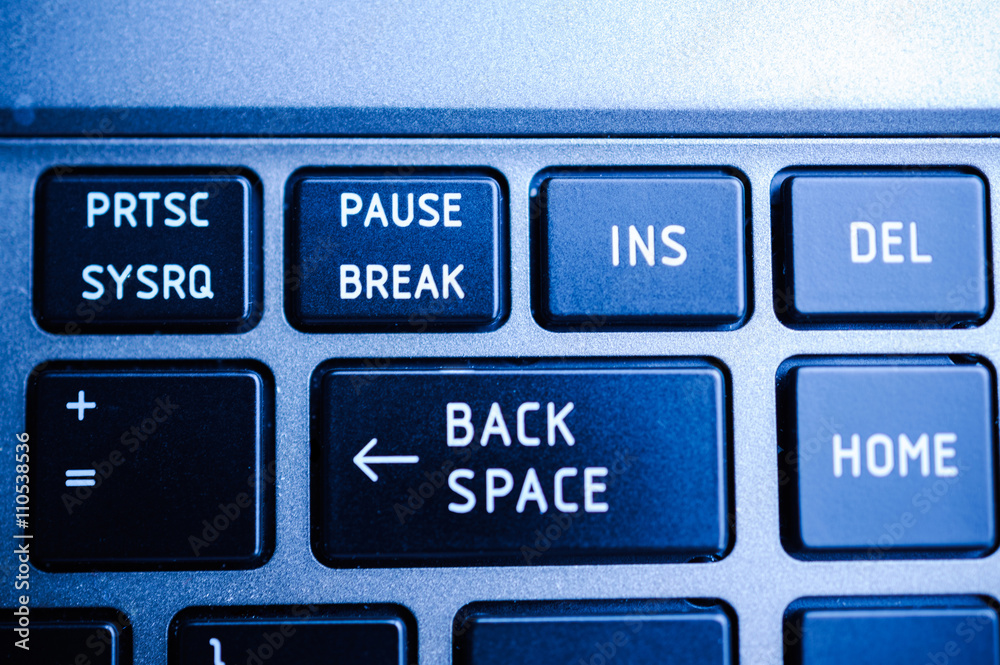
(404, 254)
(641, 250)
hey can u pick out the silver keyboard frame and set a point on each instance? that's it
(758, 579)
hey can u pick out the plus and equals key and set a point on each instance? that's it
(80, 477)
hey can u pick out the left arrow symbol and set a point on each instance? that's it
(363, 461)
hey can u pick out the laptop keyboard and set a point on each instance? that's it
(500, 401)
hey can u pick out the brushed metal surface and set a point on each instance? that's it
(200, 67)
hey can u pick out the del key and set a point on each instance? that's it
(551, 463)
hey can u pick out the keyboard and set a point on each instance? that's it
(396, 392)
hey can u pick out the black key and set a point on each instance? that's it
(292, 636)
(149, 468)
(892, 460)
(891, 247)
(404, 253)
(71, 636)
(145, 253)
(643, 250)
(938, 631)
(549, 464)
(593, 633)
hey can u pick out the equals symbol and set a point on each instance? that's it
(80, 478)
